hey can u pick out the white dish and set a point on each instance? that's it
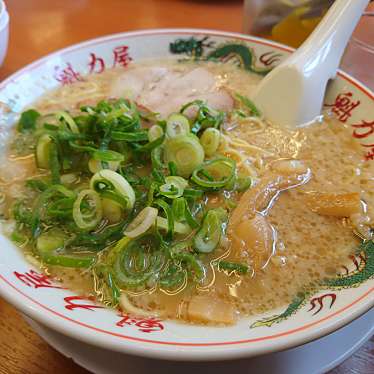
(316, 357)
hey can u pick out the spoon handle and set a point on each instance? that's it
(330, 38)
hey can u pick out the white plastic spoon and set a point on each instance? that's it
(292, 94)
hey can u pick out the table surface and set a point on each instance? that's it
(39, 27)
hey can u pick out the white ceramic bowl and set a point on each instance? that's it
(4, 31)
(307, 318)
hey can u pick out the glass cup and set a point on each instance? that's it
(358, 59)
(291, 21)
(285, 21)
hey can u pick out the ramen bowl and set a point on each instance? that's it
(311, 315)
(4, 31)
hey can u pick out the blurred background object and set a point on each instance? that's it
(285, 21)
(291, 21)
(4, 31)
(358, 59)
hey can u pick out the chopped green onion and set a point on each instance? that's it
(95, 165)
(156, 158)
(151, 145)
(53, 163)
(71, 261)
(173, 277)
(49, 246)
(215, 173)
(210, 141)
(89, 218)
(28, 120)
(253, 110)
(107, 156)
(189, 217)
(19, 238)
(173, 187)
(65, 117)
(112, 210)
(41, 202)
(233, 266)
(61, 208)
(243, 183)
(82, 148)
(43, 146)
(50, 241)
(117, 198)
(138, 136)
(142, 222)
(190, 193)
(172, 168)
(205, 116)
(177, 124)
(69, 178)
(137, 260)
(209, 235)
(193, 263)
(169, 215)
(155, 132)
(99, 240)
(110, 181)
(151, 192)
(158, 176)
(37, 184)
(179, 228)
(179, 209)
(186, 152)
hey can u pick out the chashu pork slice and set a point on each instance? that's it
(164, 90)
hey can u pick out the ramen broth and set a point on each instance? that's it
(287, 227)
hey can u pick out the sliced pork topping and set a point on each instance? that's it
(164, 90)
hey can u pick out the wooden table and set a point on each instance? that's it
(42, 26)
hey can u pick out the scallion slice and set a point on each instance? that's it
(233, 266)
(169, 215)
(138, 136)
(107, 156)
(137, 260)
(186, 152)
(179, 228)
(66, 118)
(194, 265)
(142, 222)
(249, 105)
(89, 218)
(210, 141)
(177, 124)
(209, 235)
(173, 187)
(50, 248)
(155, 132)
(156, 158)
(109, 181)
(95, 165)
(214, 174)
(179, 209)
(42, 151)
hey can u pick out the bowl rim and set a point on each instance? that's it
(176, 350)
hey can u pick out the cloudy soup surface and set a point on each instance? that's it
(161, 190)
